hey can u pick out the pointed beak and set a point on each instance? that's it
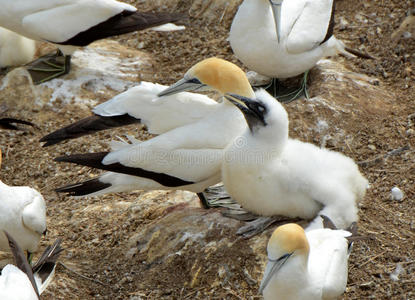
(276, 11)
(183, 85)
(249, 107)
(273, 266)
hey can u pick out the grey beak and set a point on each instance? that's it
(273, 266)
(182, 85)
(276, 11)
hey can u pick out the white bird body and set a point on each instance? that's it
(321, 273)
(23, 215)
(271, 174)
(15, 285)
(304, 26)
(15, 49)
(54, 20)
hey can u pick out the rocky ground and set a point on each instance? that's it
(161, 245)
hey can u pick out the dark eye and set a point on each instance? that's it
(261, 108)
(194, 81)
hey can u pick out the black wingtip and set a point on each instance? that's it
(87, 126)
(7, 123)
(328, 223)
(21, 261)
(83, 188)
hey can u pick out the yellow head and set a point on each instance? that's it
(213, 73)
(288, 238)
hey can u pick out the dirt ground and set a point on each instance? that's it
(96, 231)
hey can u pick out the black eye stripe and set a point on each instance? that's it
(194, 80)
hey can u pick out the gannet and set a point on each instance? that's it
(308, 265)
(193, 130)
(24, 282)
(22, 215)
(73, 23)
(15, 50)
(283, 39)
(268, 173)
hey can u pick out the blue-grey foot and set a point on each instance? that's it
(216, 196)
(260, 224)
(49, 66)
(287, 94)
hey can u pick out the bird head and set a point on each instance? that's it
(212, 73)
(287, 241)
(265, 116)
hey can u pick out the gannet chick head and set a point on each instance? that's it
(266, 117)
(213, 73)
(286, 243)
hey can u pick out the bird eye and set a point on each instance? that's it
(261, 108)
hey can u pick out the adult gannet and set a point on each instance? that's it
(283, 39)
(73, 23)
(23, 215)
(24, 282)
(268, 173)
(15, 50)
(193, 130)
(308, 265)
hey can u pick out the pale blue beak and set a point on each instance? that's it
(276, 11)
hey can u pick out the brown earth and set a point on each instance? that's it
(100, 234)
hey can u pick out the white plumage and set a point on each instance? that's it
(22, 215)
(311, 265)
(15, 285)
(194, 130)
(57, 21)
(305, 36)
(270, 174)
(15, 50)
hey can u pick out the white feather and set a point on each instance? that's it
(15, 50)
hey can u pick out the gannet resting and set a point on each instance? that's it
(15, 50)
(193, 130)
(24, 282)
(22, 215)
(73, 23)
(283, 39)
(270, 174)
(308, 265)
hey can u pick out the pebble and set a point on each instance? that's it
(396, 194)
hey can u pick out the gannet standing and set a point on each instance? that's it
(15, 50)
(24, 282)
(284, 38)
(269, 174)
(308, 265)
(73, 23)
(193, 133)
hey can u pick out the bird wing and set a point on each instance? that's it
(158, 114)
(14, 284)
(54, 21)
(308, 24)
(328, 264)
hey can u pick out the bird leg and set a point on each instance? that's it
(49, 66)
(259, 225)
(287, 94)
(216, 196)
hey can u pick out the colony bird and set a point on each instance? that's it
(24, 282)
(270, 174)
(285, 38)
(308, 265)
(73, 23)
(15, 50)
(23, 215)
(188, 152)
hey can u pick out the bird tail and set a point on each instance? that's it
(125, 22)
(44, 269)
(91, 187)
(336, 46)
(21, 261)
(87, 126)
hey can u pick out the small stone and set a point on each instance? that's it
(396, 194)
(372, 147)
